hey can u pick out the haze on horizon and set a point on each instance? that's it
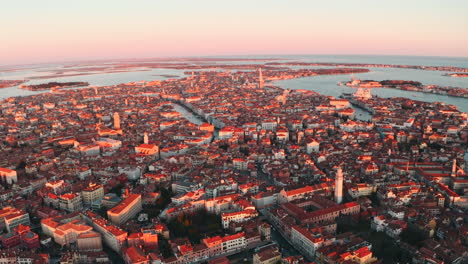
(56, 30)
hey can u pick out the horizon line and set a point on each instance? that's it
(225, 56)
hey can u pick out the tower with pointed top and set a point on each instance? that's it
(116, 120)
(260, 78)
(95, 90)
(454, 168)
(339, 186)
(145, 138)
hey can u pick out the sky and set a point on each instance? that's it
(59, 30)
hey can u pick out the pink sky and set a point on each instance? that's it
(60, 30)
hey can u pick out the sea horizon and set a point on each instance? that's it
(249, 56)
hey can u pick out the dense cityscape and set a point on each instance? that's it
(225, 167)
(234, 132)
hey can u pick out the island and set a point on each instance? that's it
(9, 83)
(457, 74)
(52, 85)
(166, 75)
(409, 86)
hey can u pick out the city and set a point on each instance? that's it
(234, 132)
(206, 167)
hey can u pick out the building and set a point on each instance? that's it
(126, 210)
(10, 240)
(57, 187)
(306, 241)
(238, 217)
(11, 217)
(330, 213)
(362, 93)
(64, 234)
(28, 238)
(312, 146)
(288, 196)
(68, 233)
(239, 164)
(8, 176)
(206, 127)
(134, 255)
(150, 237)
(112, 236)
(233, 242)
(70, 202)
(267, 255)
(339, 186)
(264, 199)
(94, 192)
(362, 255)
(22, 235)
(260, 78)
(109, 144)
(116, 121)
(361, 189)
(110, 200)
(89, 241)
(147, 149)
(214, 245)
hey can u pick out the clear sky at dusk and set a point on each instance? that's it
(57, 30)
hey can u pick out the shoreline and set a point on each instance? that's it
(411, 86)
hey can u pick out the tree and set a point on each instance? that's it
(117, 189)
(164, 247)
(413, 236)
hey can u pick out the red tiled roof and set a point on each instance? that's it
(305, 189)
(121, 206)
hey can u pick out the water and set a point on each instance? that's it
(377, 59)
(188, 115)
(326, 85)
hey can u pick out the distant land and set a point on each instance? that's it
(52, 85)
(9, 83)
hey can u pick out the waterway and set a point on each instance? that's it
(190, 116)
(327, 85)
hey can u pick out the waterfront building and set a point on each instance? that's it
(362, 93)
